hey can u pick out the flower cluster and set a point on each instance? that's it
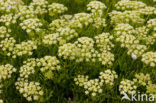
(103, 41)
(81, 50)
(48, 63)
(11, 49)
(83, 18)
(151, 24)
(8, 19)
(9, 5)
(99, 22)
(67, 33)
(80, 80)
(127, 86)
(31, 25)
(123, 29)
(131, 17)
(68, 51)
(61, 36)
(26, 12)
(58, 23)
(106, 57)
(136, 49)
(24, 48)
(4, 32)
(86, 49)
(141, 34)
(39, 6)
(51, 39)
(92, 86)
(27, 68)
(129, 5)
(56, 8)
(127, 40)
(7, 45)
(95, 86)
(142, 79)
(30, 90)
(96, 8)
(151, 89)
(149, 58)
(6, 71)
(108, 76)
(148, 10)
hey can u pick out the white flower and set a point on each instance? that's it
(134, 56)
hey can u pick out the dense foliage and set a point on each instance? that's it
(76, 51)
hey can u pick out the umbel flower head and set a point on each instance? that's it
(96, 8)
(127, 86)
(129, 5)
(149, 58)
(56, 8)
(6, 71)
(93, 87)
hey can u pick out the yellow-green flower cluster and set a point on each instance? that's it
(61, 36)
(51, 39)
(149, 58)
(108, 77)
(11, 49)
(103, 41)
(31, 25)
(92, 87)
(86, 49)
(80, 80)
(129, 5)
(81, 50)
(127, 86)
(148, 10)
(30, 90)
(96, 8)
(7, 45)
(57, 23)
(151, 89)
(142, 79)
(83, 18)
(39, 6)
(24, 48)
(4, 32)
(26, 12)
(9, 5)
(28, 68)
(48, 63)
(67, 33)
(151, 24)
(131, 17)
(141, 34)
(76, 24)
(95, 86)
(106, 57)
(99, 22)
(6, 71)
(123, 29)
(127, 40)
(8, 19)
(136, 49)
(56, 8)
